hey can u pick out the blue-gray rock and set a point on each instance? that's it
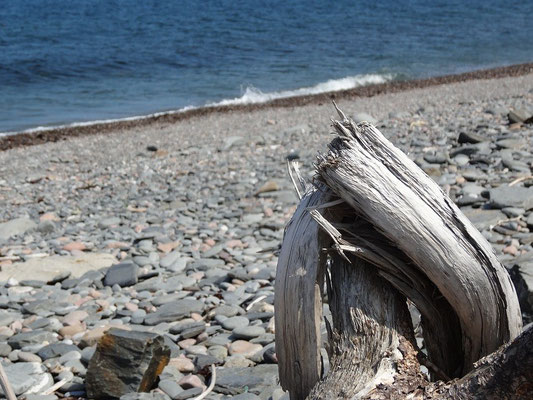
(248, 332)
(56, 350)
(227, 310)
(41, 397)
(145, 396)
(470, 137)
(189, 393)
(174, 311)
(28, 377)
(5, 349)
(123, 274)
(233, 381)
(170, 387)
(235, 322)
(169, 259)
(204, 361)
(38, 337)
(246, 396)
(511, 196)
(46, 227)
(108, 222)
(87, 353)
(17, 226)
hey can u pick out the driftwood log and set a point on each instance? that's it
(375, 232)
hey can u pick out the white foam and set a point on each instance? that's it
(251, 95)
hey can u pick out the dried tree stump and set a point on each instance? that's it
(387, 232)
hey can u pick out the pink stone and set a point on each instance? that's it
(131, 306)
(74, 246)
(48, 217)
(196, 316)
(182, 364)
(167, 247)
(512, 250)
(16, 326)
(74, 317)
(117, 245)
(234, 243)
(244, 348)
(186, 343)
(71, 330)
(191, 381)
(95, 294)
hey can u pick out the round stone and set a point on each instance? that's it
(235, 322)
(248, 332)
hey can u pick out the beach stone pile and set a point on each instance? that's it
(176, 235)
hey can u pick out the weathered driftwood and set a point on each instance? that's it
(376, 205)
(298, 299)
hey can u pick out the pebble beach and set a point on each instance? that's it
(171, 225)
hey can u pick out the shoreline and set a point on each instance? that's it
(54, 134)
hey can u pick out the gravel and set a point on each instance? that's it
(99, 232)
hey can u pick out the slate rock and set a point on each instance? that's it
(174, 311)
(233, 381)
(145, 396)
(248, 332)
(17, 226)
(5, 349)
(511, 196)
(28, 377)
(125, 362)
(246, 396)
(470, 137)
(41, 397)
(170, 387)
(123, 274)
(189, 393)
(31, 338)
(108, 222)
(518, 115)
(203, 362)
(235, 322)
(483, 219)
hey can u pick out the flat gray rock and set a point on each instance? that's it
(248, 332)
(173, 311)
(48, 268)
(511, 196)
(483, 219)
(233, 381)
(23, 339)
(123, 274)
(235, 322)
(17, 226)
(28, 377)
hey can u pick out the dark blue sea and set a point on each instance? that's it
(68, 61)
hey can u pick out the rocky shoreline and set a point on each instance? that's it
(67, 132)
(172, 227)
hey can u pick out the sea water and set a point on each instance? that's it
(67, 61)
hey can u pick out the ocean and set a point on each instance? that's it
(76, 61)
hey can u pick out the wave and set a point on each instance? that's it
(251, 95)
